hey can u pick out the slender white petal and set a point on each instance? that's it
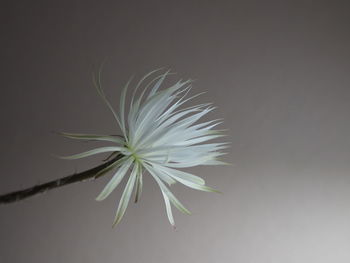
(94, 137)
(180, 174)
(157, 85)
(169, 212)
(134, 106)
(124, 200)
(164, 177)
(94, 151)
(113, 183)
(139, 185)
(170, 195)
(98, 86)
(186, 179)
(122, 110)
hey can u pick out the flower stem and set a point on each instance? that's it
(42, 188)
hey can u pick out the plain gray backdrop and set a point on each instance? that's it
(278, 71)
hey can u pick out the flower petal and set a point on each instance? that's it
(177, 174)
(98, 86)
(170, 195)
(113, 183)
(139, 185)
(94, 137)
(166, 178)
(124, 200)
(122, 109)
(94, 151)
(168, 208)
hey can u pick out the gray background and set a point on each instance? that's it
(279, 74)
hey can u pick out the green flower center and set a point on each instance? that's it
(133, 153)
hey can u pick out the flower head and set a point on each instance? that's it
(159, 136)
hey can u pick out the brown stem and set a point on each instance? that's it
(77, 177)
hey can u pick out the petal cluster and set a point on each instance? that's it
(160, 134)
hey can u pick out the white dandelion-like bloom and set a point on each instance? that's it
(158, 136)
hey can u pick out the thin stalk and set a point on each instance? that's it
(70, 179)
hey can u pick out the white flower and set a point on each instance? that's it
(159, 136)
